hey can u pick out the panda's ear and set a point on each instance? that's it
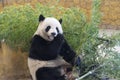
(41, 18)
(60, 21)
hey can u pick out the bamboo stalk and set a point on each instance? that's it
(90, 72)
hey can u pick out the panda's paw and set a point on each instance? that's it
(59, 37)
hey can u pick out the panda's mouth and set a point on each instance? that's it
(50, 38)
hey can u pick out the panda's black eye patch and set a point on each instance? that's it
(57, 29)
(48, 28)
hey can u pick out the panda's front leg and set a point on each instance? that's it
(68, 54)
(59, 61)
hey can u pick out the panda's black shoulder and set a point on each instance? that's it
(36, 43)
(37, 39)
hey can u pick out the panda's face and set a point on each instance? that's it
(49, 28)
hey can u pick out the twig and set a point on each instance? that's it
(89, 73)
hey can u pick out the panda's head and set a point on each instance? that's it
(49, 28)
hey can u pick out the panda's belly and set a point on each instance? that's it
(34, 65)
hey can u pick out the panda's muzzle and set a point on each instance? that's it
(53, 34)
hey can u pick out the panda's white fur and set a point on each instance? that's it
(33, 64)
(50, 21)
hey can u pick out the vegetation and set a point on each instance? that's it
(18, 24)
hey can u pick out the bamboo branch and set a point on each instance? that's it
(89, 73)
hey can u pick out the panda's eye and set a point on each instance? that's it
(57, 29)
(48, 28)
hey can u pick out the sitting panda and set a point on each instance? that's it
(49, 51)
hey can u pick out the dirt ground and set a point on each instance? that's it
(13, 64)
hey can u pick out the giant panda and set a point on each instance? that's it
(49, 51)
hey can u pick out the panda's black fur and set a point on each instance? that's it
(43, 50)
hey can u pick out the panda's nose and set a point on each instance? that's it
(53, 34)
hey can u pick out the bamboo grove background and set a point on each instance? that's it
(110, 9)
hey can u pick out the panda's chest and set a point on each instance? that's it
(49, 50)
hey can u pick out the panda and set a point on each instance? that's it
(49, 51)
